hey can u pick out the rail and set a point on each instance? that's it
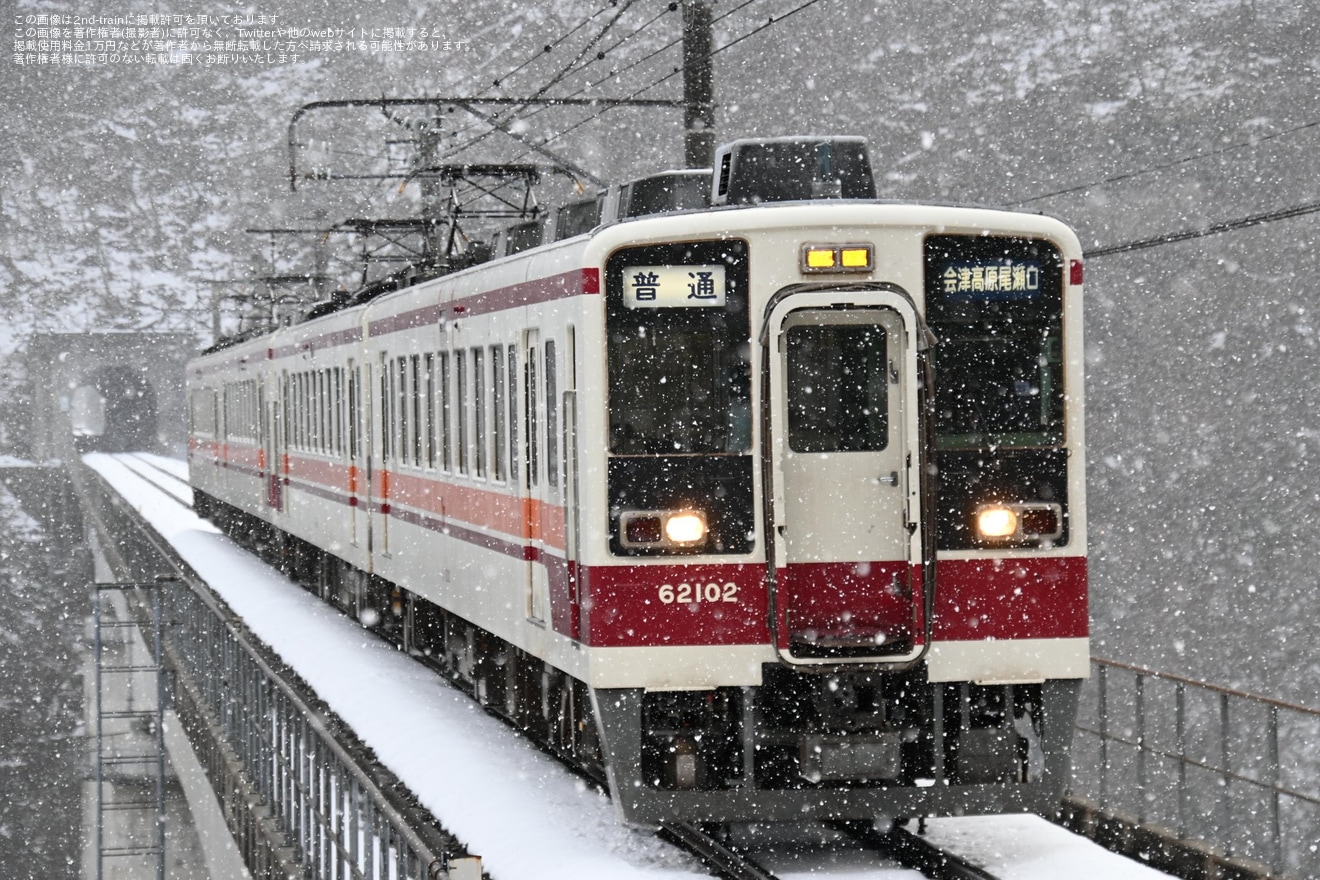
(1205, 763)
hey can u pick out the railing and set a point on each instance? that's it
(333, 821)
(292, 785)
(1206, 763)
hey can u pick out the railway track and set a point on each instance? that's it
(167, 475)
(899, 845)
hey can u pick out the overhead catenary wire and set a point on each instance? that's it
(772, 21)
(572, 67)
(1164, 166)
(544, 52)
(582, 91)
(1205, 231)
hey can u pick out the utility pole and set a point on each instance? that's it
(698, 94)
(427, 166)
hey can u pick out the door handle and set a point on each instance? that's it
(891, 480)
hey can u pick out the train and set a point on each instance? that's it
(753, 496)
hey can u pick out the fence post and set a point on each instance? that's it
(1140, 697)
(1226, 831)
(1102, 681)
(1276, 773)
(1180, 697)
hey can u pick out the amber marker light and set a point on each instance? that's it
(818, 257)
(833, 257)
(996, 521)
(855, 257)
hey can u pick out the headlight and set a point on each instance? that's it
(1019, 522)
(663, 529)
(688, 527)
(996, 522)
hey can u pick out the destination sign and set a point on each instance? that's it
(671, 287)
(999, 280)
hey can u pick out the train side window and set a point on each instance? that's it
(327, 410)
(386, 410)
(341, 411)
(400, 408)
(415, 407)
(429, 432)
(331, 411)
(309, 412)
(533, 408)
(479, 408)
(323, 384)
(336, 411)
(446, 399)
(300, 410)
(461, 433)
(308, 402)
(295, 411)
(498, 457)
(286, 404)
(513, 413)
(313, 412)
(551, 414)
(354, 416)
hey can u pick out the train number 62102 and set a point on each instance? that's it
(689, 593)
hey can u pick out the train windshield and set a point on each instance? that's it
(676, 390)
(679, 356)
(1003, 389)
(996, 307)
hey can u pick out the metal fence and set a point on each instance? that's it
(1206, 763)
(299, 784)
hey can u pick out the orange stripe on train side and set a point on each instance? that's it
(495, 511)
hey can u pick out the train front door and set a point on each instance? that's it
(843, 470)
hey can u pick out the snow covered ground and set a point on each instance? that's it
(526, 815)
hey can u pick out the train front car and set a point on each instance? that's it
(769, 635)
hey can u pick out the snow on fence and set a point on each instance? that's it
(332, 820)
(1234, 770)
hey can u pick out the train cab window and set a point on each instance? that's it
(995, 305)
(679, 373)
(679, 364)
(838, 401)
